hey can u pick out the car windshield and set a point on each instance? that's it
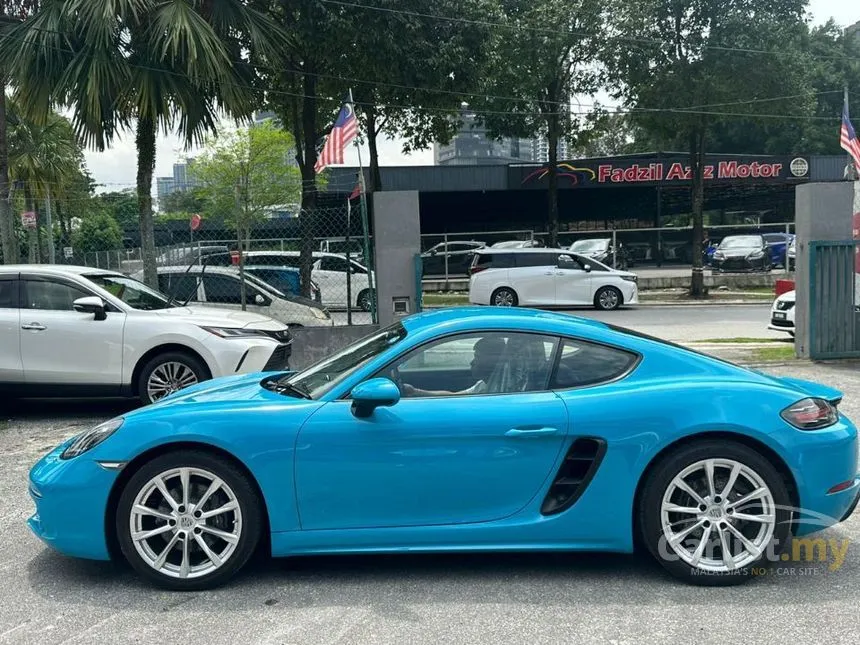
(586, 246)
(741, 242)
(318, 379)
(133, 293)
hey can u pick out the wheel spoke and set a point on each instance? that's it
(229, 506)
(736, 469)
(159, 484)
(757, 493)
(728, 558)
(185, 483)
(145, 535)
(214, 486)
(674, 508)
(186, 559)
(163, 556)
(227, 537)
(762, 519)
(752, 548)
(145, 510)
(697, 555)
(213, 557)
(684, 486)
(679, 537)
(709, 475)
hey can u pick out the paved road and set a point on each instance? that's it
(47, 599)
(676, 323)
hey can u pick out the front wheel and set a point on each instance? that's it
(608, 298)
(504, 297)
(168, 373)
(188, 520)
(713, 512)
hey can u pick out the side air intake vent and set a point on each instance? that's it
(581, 462)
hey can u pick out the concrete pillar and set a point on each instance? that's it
(823, 212)
(396, 241)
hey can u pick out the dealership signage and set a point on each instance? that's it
(662, 171)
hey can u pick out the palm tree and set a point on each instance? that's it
(171, 65)
(43, 157)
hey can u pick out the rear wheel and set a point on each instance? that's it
(712, 511)
(364, 301)
(170, 372)
(608, 298)
(504, 297)
(188, 520)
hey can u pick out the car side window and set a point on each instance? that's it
(49, 295)
(582, 363)
(535, 259)
(8, 294)
(333, 264)
(565, 261)
(224, 289)
(474, 364)
(182, 287)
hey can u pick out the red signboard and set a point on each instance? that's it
(196, 220)
(28, 220)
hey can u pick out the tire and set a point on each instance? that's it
(504, 297)
(186, 369)
(608, 298)
(363, 301)
(755, 472)
(243, 523)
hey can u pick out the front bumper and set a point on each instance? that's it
(737, 265)
(71, 500)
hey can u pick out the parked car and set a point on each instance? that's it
(782, 313)
(547, 277)
(791, 254)
(739, 253)
(222, 286)
(283, 278)
(190, 254)
(518, 244)
(601, 249)
(778, 244)
(328, 272)
(450, 258)
(462, 429)
(78, 331)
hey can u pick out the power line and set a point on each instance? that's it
(488, 23)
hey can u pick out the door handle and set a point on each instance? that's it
(34, 326)
(530, 432)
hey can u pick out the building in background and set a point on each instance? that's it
(181, 181)
(165, 186)
(472, 147)
(541, 149)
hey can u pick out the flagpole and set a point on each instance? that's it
(364, 223)
(348, 262)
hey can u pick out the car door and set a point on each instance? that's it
(65, 347)
(11, 368)
(533, 278)
(444, 458)
(572, 281)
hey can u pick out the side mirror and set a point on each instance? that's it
(259, 300)
(91, 305)
(587, 268)
(372, 394)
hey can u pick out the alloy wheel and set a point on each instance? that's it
(718, 515)
(504, 298)
(185, 523)
(168, 378)
(608, 299)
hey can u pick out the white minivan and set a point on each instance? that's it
(547, 278)
(221, 287)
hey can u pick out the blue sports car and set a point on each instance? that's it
(482, 429)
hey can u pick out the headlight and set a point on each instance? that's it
(91, 438)
(718, 255)
(811, 414)
(631, 278)
(231, 332)
(756, 255)
(321, 314)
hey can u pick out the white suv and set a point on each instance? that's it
(78, 331)
(547, 277)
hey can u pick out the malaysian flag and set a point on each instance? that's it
(344, 130)
(848, 137)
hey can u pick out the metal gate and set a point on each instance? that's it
(833, 311)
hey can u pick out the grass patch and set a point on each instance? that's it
(743, 340)
(766, 354)
(446, 299)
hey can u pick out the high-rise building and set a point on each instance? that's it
(472, 147)
(165, 186)
(541, 149)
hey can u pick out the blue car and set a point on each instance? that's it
(469, 429)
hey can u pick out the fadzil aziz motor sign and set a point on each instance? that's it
(664, 171)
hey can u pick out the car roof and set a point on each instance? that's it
(515, 317)
(491, 251)
(55, 269)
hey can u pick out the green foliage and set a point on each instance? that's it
(98, 232)
(122, 206)
(244, 174)
(182, 202)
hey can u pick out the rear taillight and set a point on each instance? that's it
(811, 414)
(474, 270)
(234, 258)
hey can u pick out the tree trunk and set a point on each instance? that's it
(8, 239)
(697, 167)
(49, 227)
(375, 176)
(145, 141)
(552, 196)
(240, 234)
(32, 234)
(307, 217)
